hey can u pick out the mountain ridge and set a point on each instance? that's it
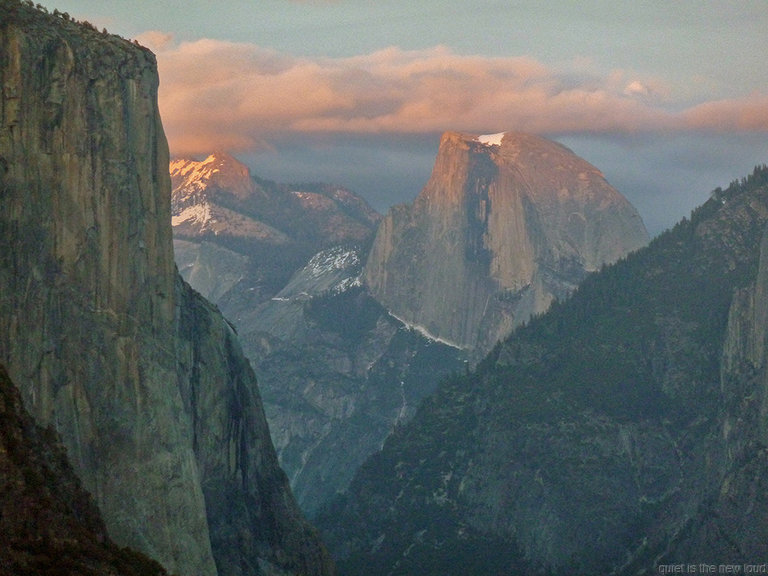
(222, 180)
(265, 230)
(617, 432)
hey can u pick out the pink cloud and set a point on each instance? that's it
(222, 95)
(748, 114)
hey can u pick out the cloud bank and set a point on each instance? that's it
(241, 97)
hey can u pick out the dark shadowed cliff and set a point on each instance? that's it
(48, 523)
(621, 431)
(144, 380)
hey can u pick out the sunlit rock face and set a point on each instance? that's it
(506, 223)
(143, 379)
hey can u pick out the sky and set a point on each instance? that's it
(668, 98)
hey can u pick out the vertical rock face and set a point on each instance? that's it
(145, 382)
(505, 224)
(735, 523)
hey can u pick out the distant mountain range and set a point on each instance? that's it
(276, 227)
(346, 344)
(284, 264)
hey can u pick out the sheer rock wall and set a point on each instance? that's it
(145, 381)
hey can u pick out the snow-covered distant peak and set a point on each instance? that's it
(195, 214)
(191, 175)
(219, 168)
(491, 139)
(186, 167)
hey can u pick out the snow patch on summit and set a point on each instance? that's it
(491, 139)
(334, 259)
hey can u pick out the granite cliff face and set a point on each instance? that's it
(48, 522)
(144, 380)
(505, 224)
(733, 525)
(336, 371)
(622, 431)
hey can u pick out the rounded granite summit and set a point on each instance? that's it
(506, 223)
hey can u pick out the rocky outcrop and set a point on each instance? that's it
(622, 432)
(145, 382)
(506, 224)
(733, 525)
(48, 522)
